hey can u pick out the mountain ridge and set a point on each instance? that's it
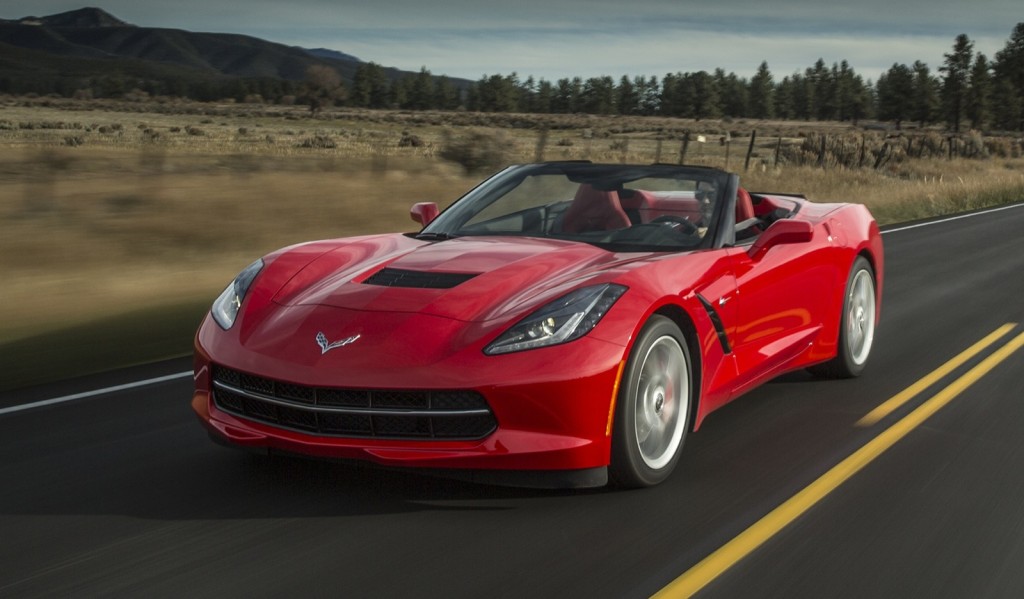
(70, 50)
(89, 16)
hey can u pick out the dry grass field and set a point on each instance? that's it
(120, 222)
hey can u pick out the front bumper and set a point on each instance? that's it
(551, 409)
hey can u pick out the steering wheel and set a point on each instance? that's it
(680, 223)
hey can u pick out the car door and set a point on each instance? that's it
(780, 295)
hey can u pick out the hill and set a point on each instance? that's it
(327, 53)
(83, 17)
(85, 48)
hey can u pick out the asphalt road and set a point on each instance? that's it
(122, 493)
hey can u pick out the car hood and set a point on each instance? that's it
(467, 279)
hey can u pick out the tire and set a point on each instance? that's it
(653, 408)
(857, 325)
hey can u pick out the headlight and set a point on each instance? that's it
(225, 308)
(568, 317)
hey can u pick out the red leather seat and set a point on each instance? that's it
(744, 205)
(594, 210)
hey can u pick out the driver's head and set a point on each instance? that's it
(705, 191)
(706, 197)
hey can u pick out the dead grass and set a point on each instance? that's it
(100, 243)
(913, 190)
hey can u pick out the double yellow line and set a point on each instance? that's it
(743, 545)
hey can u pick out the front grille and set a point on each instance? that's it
(373, 413)
(397, 277)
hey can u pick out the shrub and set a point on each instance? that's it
(478, 151)
(410, 141)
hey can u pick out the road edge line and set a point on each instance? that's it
(87, 394)
(952, 218)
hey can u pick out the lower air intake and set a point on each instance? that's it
(370, 413)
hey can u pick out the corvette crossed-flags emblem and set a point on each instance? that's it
(326, 346)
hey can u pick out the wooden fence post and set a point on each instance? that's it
(750, 150)
(883, 156)
(684, 147)
(778, 149)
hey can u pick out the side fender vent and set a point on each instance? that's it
(717, 322)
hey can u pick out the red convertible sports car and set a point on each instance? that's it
(563, 324)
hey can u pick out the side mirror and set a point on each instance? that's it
(424, 212)
(781, 232)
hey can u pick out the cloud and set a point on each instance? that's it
(554, 54)
(470, 38)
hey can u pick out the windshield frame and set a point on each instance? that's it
(719, 231)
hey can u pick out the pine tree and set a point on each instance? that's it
(819, 91)
(957, 68)
(1006, 112)
(666, 99)
(863, 100)
(785, 107)
(566, 99)
(446, 96)
(706, 103)
(979, 92)
(528, 96)
(496, 93)
(730, 95)
(762, 91)
(369, 86)
(420, 91)
(895, 93)
(849, 93)
(599, 95)
(650, 93)
(1009, 76)
(545, 94)
(628, 97)
(925, 100)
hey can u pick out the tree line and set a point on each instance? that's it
(967, 89)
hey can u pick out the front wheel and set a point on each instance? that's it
(654, 403)
(857, 327)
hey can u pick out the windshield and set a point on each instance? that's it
(618, 207)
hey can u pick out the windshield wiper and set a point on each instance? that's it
(435, 236)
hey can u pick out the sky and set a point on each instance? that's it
(552, 39)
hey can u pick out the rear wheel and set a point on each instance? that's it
(857, 329)
(653, 409)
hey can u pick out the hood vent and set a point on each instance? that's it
(396, 277)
